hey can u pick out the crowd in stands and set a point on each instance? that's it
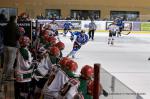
(79, 17)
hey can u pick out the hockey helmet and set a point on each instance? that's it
(71, 65)
(24, 41)
(87, 71)
(63, 61)
(54, 51)
(60, 45)
(46, 37)
(52, 40)
(83, 31)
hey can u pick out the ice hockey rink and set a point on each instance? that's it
(126, 60)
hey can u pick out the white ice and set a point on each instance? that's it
(126, 59)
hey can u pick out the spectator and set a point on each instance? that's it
(1, 46)
(23, 17)
(2, 16)
(11, 36)
(39, 16)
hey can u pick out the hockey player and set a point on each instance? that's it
(61, 47)
(70, 68)
(81, 39)
(120, 24)
(70, 89)
(113, 28)
(50, 41)
(87, 83)
(54, 27)
(55, 82)
(54, 54)
(85, 77)
(60, 85)
(45, 68)
(23, 70)
(63, 62)
(91, 86)
(57, 78)
(67, 27)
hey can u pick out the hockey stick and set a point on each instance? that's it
(125, 32)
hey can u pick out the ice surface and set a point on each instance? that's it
(126, 60)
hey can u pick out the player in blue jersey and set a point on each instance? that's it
(81, 39)
(67, 27)
(120, 24)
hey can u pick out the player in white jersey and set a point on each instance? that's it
(23, 70)
(61, 83)
(54, 26)
(113, 28)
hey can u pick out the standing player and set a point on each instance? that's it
(23, 70)
(113, 28)
(67, 27)
(54, 27)
(120, 24)
(81, 39)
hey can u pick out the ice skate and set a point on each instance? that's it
(112, 43)
(73, 56)
(109, 41)
(64, 35)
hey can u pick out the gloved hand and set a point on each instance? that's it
(71, 38)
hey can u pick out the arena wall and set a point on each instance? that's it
(36, 7)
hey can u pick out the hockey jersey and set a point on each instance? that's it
(54, 84)
(67, 25)
(81, 39)
(23, 70)
(60, 86)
